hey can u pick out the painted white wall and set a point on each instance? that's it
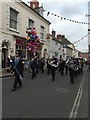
(56, 46)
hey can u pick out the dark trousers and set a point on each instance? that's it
(53, 73)
(42, 69)
(71, 77)
(48, 70)
(37, 70)
(17, 81)
(33, 73)
(76, 74)
(66, 69)
(62, 71)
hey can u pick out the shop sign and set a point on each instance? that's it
(20, 42)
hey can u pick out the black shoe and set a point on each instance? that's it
(13, 89)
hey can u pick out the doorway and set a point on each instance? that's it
(5, 47)
(4, 57)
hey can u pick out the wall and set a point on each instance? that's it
(56, 47)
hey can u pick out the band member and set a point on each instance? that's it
(42, 64)
(72, 71)
(48, 66)
(53, 67)
(66, 66)
(33, 67)
(18, 68)
(62, 66)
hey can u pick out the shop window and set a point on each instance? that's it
(56, 54)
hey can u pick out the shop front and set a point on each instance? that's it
(25, 49)
(21, 47)
(35, 52)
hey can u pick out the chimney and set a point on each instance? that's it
(34, 4)
(63, 36)
(58, 36)
(53, 33)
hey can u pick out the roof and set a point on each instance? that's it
(55, 39)
(69, 47)
(65, 40)
(36, 12)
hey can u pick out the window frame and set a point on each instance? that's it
(42, 30)
(13, 20)
(32, 21)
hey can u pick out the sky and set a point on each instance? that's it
(72, 10)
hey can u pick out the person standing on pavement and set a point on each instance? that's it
(18, 68)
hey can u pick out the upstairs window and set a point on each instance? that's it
(30, 23)
(42, 32)
(13, 18)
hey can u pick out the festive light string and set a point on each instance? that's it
(63, 18)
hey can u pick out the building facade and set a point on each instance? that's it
(16, 18)
(60, 47)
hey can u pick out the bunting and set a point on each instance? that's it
(80, 39)
(63, 18)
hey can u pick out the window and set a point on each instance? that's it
(30, 23)
(13, 18)
(56, 54)
(42, 32)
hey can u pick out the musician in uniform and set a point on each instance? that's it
(62, 66)
(33, 66)
(72, 71)
(53, 67)
(48, 66)
(18, 68)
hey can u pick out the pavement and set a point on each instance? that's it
(4, 73)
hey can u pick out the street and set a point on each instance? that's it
(43, 98)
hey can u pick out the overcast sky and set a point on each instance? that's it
(72, 10)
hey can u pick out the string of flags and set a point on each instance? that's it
(80, 39)
(63, 18)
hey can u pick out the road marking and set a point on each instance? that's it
(76, 104)
(62, 90)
